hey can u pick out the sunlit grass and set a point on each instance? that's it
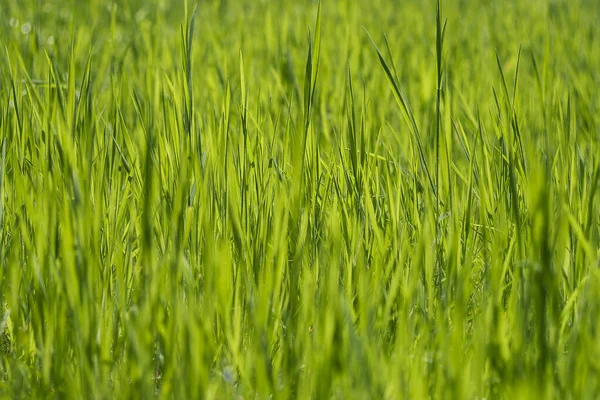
(269, 199)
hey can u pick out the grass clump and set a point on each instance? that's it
(247, 199)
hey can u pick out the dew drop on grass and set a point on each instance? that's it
(141, 15)
(228, 374)
(26, 28)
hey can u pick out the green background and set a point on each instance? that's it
(250, 201)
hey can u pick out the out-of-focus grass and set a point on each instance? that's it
(256, 199)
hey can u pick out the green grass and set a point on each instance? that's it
(276, 199)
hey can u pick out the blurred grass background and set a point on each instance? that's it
(180, 218)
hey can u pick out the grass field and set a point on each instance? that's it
(276, 199)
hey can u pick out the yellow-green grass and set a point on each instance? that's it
(279, 199)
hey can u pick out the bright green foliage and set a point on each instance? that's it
(275, 199)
